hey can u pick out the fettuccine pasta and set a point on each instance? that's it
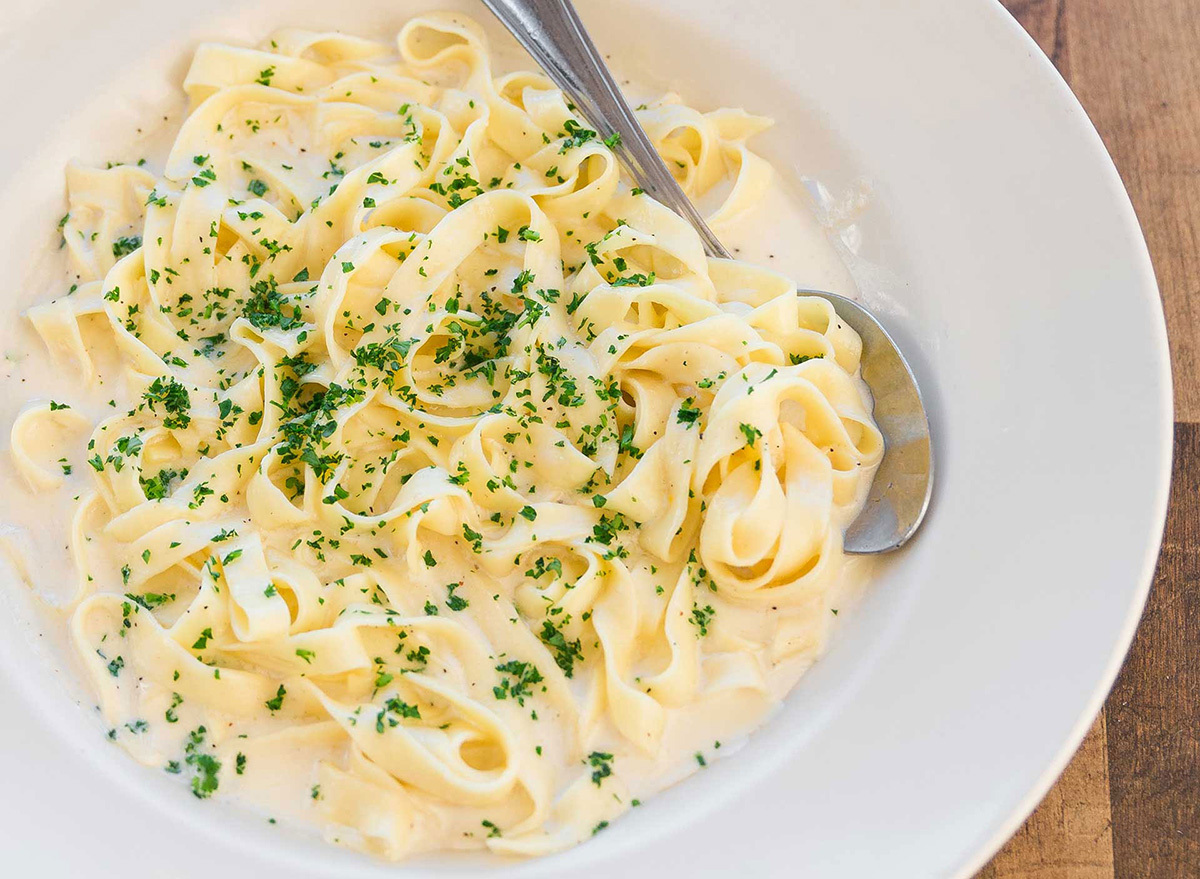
(446, 482)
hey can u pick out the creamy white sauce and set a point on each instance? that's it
(783, 233)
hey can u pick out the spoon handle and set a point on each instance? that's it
(550, 30)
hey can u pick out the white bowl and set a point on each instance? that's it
(1008, 264)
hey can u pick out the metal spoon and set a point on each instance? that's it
(550, 30)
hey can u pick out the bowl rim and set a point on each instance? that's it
(1004, 831)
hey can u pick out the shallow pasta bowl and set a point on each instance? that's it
(989, 229)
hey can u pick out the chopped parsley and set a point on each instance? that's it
(565, 650)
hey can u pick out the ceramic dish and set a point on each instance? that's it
(992, 235)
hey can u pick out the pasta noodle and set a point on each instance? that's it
(452, 478)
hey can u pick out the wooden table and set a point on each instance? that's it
(1129, 803)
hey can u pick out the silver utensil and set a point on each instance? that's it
(550, 30)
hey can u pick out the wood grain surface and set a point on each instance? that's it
(1128, 805)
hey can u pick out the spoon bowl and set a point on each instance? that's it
(899, 495)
